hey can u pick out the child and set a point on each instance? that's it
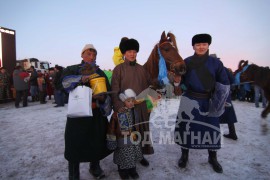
(122, 137)
(118, 56)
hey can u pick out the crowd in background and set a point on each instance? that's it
(40, 86)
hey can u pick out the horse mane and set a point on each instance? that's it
(152, 63)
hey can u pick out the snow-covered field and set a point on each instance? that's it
(32, 146)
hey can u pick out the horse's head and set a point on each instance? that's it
(168, 49)
(241, 65)
(175, 65)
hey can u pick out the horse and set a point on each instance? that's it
(174, 63)
(261, 77)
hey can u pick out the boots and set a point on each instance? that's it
(182, 163)
(96, 170)
(232, 133)
(212, 159)
(144, 162)
(33, 98)
(133, 173)
(123, 173)
(74, 171)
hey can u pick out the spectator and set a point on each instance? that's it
(20, 81)
(5, 93)
(58, 88)
(259, 93)
(118, 57)
(33, 84)
(41, 88)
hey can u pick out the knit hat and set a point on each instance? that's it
(201, 38)
(128, 93)
(130, 44)
(88, 46)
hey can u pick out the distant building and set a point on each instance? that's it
(7, 49)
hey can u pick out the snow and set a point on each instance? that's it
(32, 146)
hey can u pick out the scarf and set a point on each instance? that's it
(198, 64)
(162, 70)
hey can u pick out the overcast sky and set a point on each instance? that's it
(57, 30)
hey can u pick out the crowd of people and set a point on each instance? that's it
(126, 134)
(31, 82)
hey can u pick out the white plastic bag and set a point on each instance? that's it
(80, 102)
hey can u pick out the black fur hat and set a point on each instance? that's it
(201, 38)
(130, 44)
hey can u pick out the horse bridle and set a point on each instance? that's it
(171, 64)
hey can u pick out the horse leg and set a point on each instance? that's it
(264, 125)
(266, 111)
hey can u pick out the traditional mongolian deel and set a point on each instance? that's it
(135, 77)
(85, 137)
(122, 129)
(194, 128)
(124, 120)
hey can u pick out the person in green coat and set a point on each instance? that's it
(85, 137)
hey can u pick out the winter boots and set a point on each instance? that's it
(232, 133)
(126, 173)
(212, 159)
(123, 173)
(74, 171)
(144, 162)
(182, 163)
(96, 170)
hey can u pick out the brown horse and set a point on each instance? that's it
(261, 77)
(174, 62)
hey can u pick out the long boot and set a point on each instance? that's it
(232, 133)
(212, 159)
(182, 163)
(144, 162)
(96, 170)
(74, 171)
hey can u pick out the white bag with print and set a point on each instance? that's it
(80, 102)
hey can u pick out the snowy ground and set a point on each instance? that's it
(32, 146)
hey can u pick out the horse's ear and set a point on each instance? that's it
(172, 39)
(163, 37)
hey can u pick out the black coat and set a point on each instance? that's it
(85, 137)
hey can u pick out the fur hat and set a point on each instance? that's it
(88, 46)
(201, 38)
(128, 93)
(129, 44)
